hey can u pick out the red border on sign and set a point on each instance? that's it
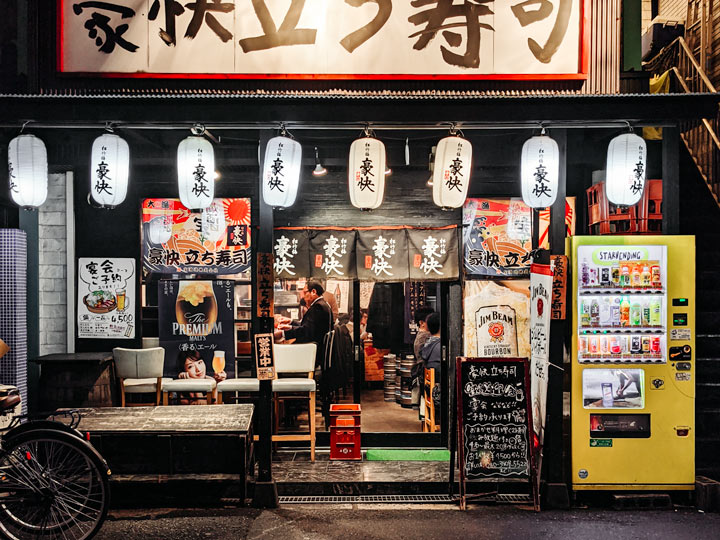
(583, 63)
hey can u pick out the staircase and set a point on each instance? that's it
(700, 216)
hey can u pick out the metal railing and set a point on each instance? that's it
(700, 136)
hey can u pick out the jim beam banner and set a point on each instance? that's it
(265, 357)
(265, 302)
(558, 307)
(382, 255)
(332, 254)
(290, 248)
(496, 331)
(196, 321)
(433, 254)
(106, 298)
(541, 283)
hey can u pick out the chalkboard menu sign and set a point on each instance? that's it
(494, 420)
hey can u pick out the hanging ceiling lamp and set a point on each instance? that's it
(281, 170)
(196, 166)
(109, 170)
(625, 169)
(451, 170)
(27, 171)
(540, 165)
(366, 172)
(319, 170)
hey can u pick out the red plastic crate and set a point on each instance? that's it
(345, 436)
(345, 409)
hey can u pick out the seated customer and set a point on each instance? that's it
(431, 353)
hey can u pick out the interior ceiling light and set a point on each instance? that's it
(319, 170)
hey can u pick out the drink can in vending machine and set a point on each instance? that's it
(655, 345)
(593, 345)
(582, 344)
(604, 348)
(624, 344)
(615, 347)
(635, 345)
(655, 276)
(645, 344)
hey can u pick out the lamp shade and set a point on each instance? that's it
(109, 170)
(281, 171)
(196, 169)
(160, 230)
(451, 172)
(366, 173)
(625, 171)
(540, 163)
(27, 171)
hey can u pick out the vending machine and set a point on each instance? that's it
(633, 363)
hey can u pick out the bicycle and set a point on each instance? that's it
(53, 483)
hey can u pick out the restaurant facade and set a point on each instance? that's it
(235, 77)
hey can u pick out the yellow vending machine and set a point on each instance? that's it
(633, 363)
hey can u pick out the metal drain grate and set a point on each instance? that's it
(508, 498)
(357, 499)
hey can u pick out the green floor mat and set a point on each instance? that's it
(378, 454)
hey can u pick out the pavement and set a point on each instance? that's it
(408, 521)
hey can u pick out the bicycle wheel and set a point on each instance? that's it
(53, 485)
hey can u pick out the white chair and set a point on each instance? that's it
(299, 360)
(200, 386)
(245, 385)
(139, 372)
(150, 342)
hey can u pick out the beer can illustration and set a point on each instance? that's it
(607, 394)
(645, 344)
(655, 345)
(635, 345)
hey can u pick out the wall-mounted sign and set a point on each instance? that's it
(178, 241)
(106, 298)
(265, 282)
(558, 304)
(266, 38)
(264, 357)
(195, 318)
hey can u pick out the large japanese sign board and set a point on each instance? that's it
(196, 323)
(495, 39)
(178, 241)
(106, 298)
(494, 421)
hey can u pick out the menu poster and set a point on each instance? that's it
(106, 298)
(332, 254)
(382, 255)
(215, 241)
(290, 247)
(197, 328)
(494, 420)
(497, 237)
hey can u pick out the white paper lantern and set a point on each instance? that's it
(281, 171)
(27, 171)
(451, 172)
(213, 222)
(196, 172)
(366, 173)
(540, 164)
(160, 230)
(109, 170)
(625, 171)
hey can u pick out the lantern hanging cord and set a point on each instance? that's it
(630, 128)
(109, 127)
(197, 129)
(25, 123)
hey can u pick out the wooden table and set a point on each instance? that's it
(77, 380)
(180, 443)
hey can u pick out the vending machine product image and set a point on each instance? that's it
(633, 363)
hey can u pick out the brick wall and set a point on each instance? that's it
(53, 268)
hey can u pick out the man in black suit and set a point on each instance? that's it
(316, 322)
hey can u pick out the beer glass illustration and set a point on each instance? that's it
(196, 308)
(218, 362)
(120, 299)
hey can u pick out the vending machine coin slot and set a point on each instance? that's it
(680, 302)
(680, 353)
(680, 319)
(683, 366)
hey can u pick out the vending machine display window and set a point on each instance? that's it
(617, 388)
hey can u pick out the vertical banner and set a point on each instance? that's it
(497, 237)
(415, 298)
(176, 240)
(106, 298)
(265, 302)
(432, 254)
(541, 282)
(382, 255)
(332, 254)
(196, 320)
(291, 251)
(265, 357)
(559, 286)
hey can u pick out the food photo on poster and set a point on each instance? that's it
(106, 298)
(196, 328)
